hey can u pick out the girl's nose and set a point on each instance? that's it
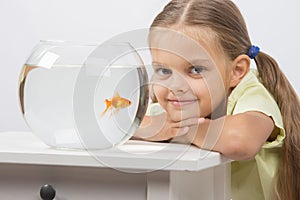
(178, 84)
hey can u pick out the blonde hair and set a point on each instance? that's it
(224, 18)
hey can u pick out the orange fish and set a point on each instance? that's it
(117, 103)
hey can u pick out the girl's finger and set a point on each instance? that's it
(177, 132)
(190, 122)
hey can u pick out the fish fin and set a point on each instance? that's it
(117, 94)
(114, 112)
(108, 106)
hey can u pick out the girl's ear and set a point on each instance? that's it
(240, 67)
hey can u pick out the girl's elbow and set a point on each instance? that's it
(239, 149)
(240, 144)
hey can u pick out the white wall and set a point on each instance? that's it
(272, 24)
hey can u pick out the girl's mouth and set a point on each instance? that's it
(179, 103)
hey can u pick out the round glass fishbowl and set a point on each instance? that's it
(83, 96)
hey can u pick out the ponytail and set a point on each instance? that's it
(288, 181)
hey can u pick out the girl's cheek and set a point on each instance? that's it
(159, 91)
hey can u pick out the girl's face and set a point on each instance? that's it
(193, 84)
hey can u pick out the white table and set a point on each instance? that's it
(135, 170)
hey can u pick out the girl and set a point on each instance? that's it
(194, 84)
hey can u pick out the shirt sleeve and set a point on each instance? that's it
(257, 98)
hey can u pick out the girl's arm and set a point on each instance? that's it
(238, 137)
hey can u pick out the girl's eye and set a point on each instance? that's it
(163, 71)
(195, 70)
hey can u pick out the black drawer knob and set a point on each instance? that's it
(47, 192)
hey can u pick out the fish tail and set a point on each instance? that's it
(108, 105)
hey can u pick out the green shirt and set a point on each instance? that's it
(253, 179)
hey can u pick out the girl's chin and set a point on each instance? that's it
(178, 115)
(182, 115)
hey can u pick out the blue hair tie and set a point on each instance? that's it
(253, 51)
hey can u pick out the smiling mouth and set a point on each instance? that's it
(179, 103)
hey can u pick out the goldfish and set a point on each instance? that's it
(117, 103)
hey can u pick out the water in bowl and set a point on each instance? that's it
(64, 104)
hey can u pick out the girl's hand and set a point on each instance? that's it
(161, 127)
